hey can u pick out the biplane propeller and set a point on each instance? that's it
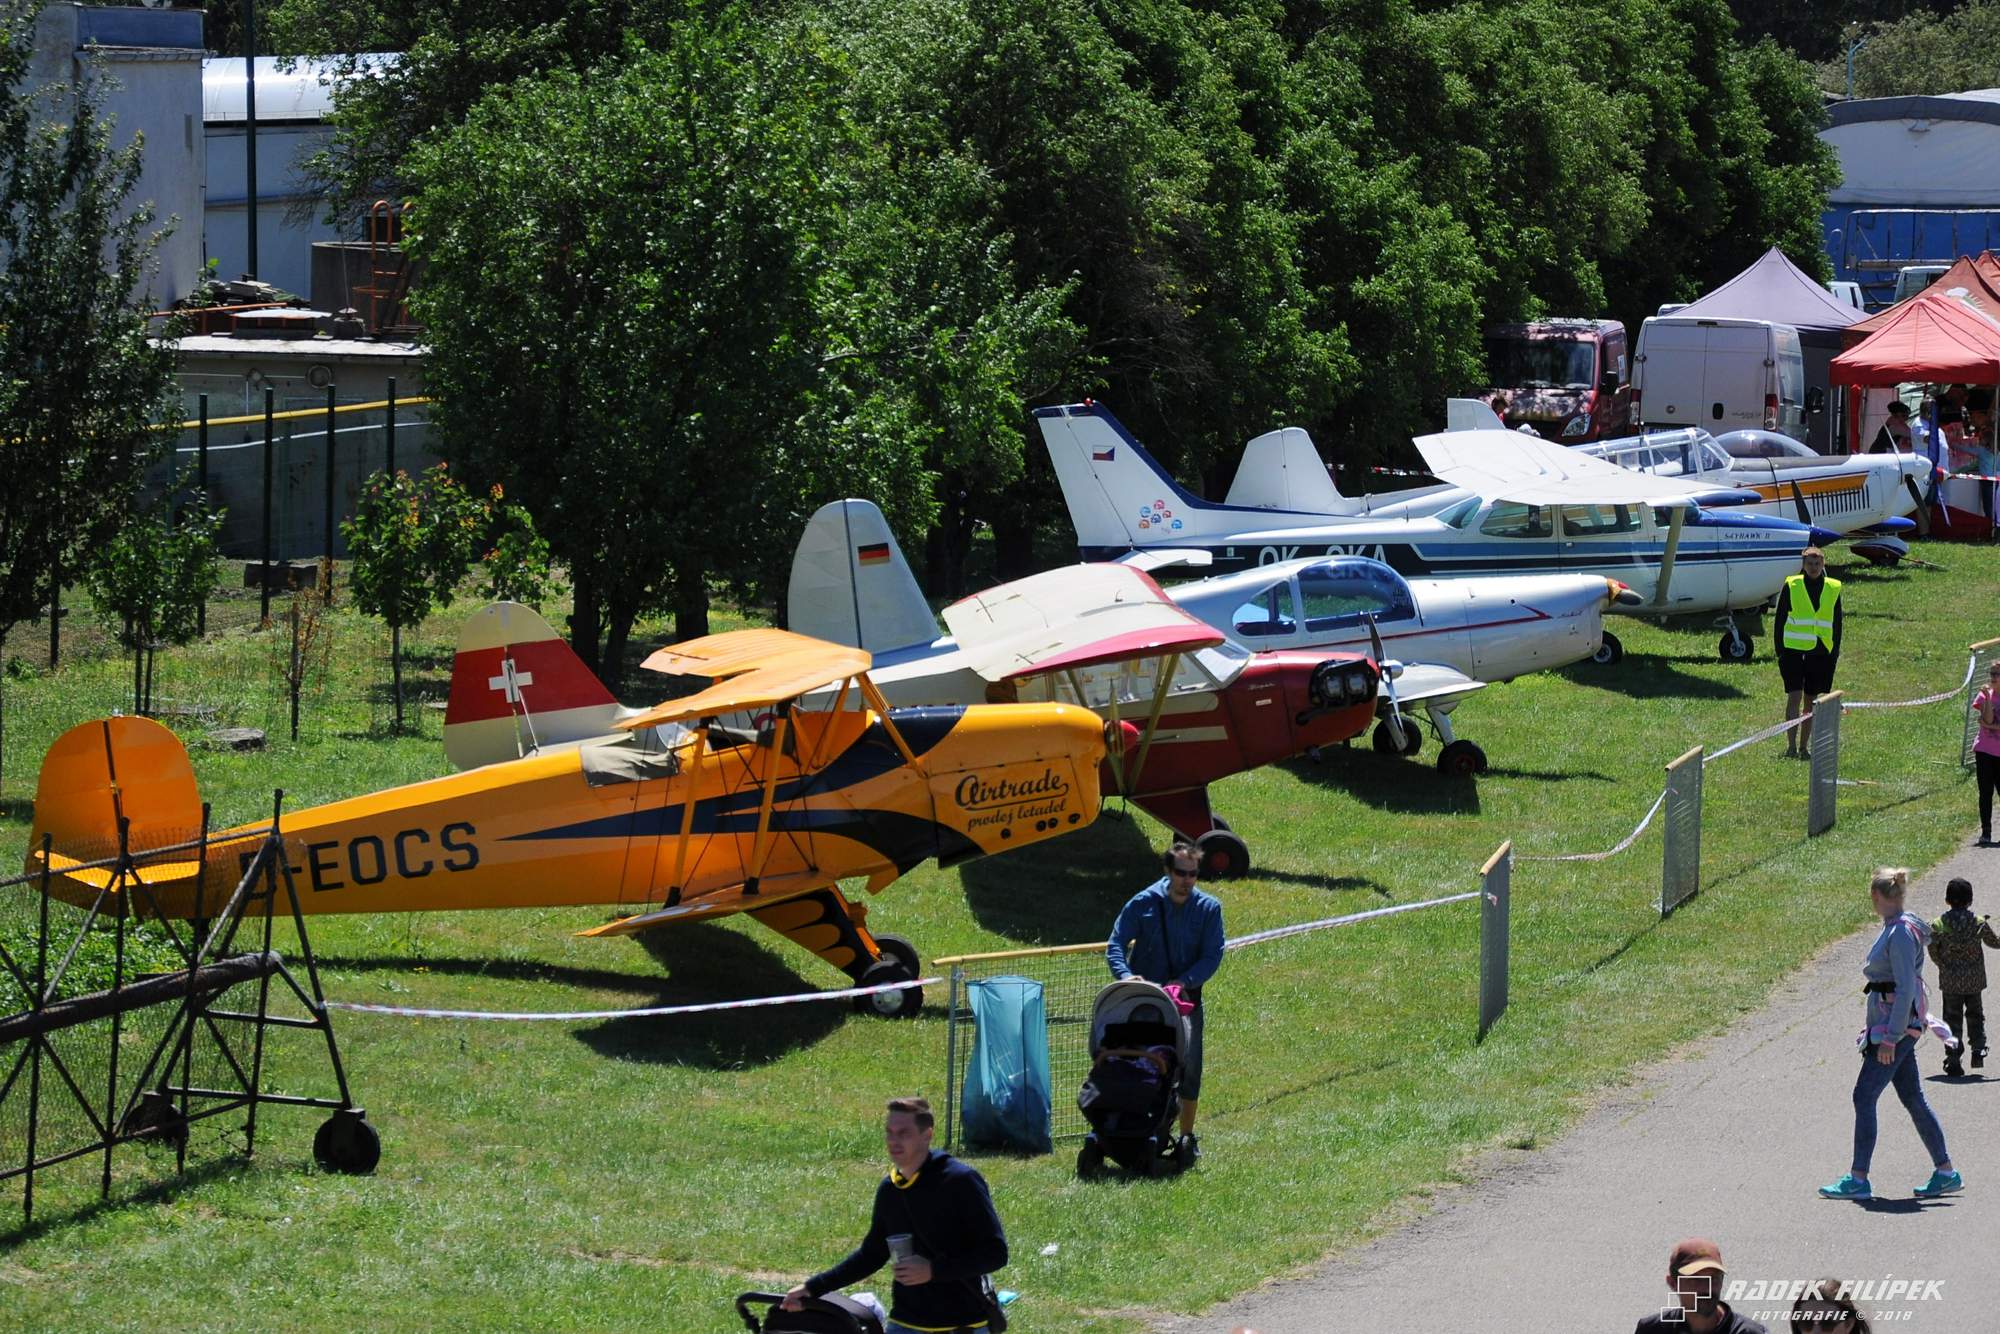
(669, 814)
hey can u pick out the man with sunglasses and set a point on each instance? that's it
(1170, 932)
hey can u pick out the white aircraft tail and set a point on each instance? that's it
(850, 584)
(1281, 470)
(1118, 494)
(516, 687)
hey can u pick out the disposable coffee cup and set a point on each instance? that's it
(901, 1247)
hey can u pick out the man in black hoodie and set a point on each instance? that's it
(954, 1237)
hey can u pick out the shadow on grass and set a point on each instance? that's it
(1066, 890)
(1388, 783)
(702, 963)
(1644, 676)
(49, 1220)
(1548, 776)
(1334, 884)
(17, 808)
(706, 963)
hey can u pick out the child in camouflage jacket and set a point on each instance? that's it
(1955, 947)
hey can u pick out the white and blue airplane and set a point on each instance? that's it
(1527, 506)
(1439, 640)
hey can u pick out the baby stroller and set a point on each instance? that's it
(1131, 1098)
(831, 1314)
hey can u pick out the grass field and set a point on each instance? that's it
(637, 1174)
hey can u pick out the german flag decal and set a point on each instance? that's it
(874, 553)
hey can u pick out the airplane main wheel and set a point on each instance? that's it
(1386, 743)
(1608, 652)
(347, 1143)
(1461, 759)
(1733, 649)
(1224, 856)
(899, 963)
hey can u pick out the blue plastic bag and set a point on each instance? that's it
(1007, 1081)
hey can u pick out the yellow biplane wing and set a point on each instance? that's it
(751, 669)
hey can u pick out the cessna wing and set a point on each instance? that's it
(1528, 470)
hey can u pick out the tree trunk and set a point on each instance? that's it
(690, 602)
(585, 621)
(618, 633)
(1014, 546)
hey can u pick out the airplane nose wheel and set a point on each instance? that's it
(1608, 652)
(1224, 856)
(1386, 743)
(1734, 648)
(899, 963)
(1461, 759)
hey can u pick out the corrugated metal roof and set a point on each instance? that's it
(303, 93)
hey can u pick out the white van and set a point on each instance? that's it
(1914, 278)
(1720, 375)
(1846, 293)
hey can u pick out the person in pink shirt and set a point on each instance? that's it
(1986, 751)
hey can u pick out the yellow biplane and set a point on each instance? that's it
(665, 813)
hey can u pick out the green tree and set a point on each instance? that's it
(723, 305)
(155, 574)
(80, 381)
(1920, 53)
(412, 540)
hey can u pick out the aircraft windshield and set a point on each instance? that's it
(1458, 515)
(1269, 614)
(1683, 453)
(1764, 445)
(1541, 363)
(1337, 595)
(1133, 682)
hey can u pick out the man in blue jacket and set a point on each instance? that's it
(1171, 932)
(939, 1209)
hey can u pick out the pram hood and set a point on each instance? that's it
(1126, 1001)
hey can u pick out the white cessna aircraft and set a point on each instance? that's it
(1441, 640)
(1528, 506)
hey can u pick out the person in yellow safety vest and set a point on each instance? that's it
(1808, 635)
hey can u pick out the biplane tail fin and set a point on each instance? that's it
(850, 584)
(516, 687)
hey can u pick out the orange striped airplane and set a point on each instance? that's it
(665, 813)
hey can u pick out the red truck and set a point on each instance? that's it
(1568, 379)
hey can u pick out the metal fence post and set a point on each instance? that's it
(270, 449)
(389, 432)
(1495, 886)
(1983, 654)
(1680, 856)
(330, 456)
(951, 1057)
(1825, 756)
(201, 478)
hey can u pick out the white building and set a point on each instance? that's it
(151, 62)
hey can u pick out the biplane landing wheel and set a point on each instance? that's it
(347, 1143)
(1224, 856)
(899, 963)
(1609, 652)
(1386, 743)
(1461, 759)
(156, 1118)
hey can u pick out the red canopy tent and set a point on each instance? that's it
(1976, 282)
(1932, 337)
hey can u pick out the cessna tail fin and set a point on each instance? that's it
(1282, 471)
(517, 687)
(850, 584)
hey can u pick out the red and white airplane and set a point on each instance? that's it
(1186, 705)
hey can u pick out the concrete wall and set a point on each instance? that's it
(151, 60)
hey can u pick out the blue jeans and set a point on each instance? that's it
(1875, 1077)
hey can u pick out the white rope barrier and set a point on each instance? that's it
(1971, 664)
(1300, 928)
(652, 1011)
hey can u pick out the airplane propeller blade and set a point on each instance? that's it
(1923, 511)
(1395, 718)
(1799, 500)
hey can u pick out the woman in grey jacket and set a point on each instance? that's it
(1896, 1018)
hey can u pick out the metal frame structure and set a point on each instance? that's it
(163, 1101)
(1680, 821)
(1824, 752)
